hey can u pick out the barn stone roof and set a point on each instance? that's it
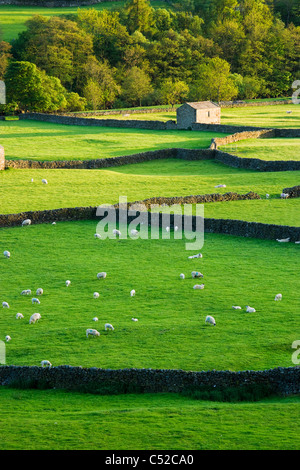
(203, 105)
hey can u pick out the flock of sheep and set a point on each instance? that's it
(35, 317)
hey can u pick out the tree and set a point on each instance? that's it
(139, 16)
(136, 86)
(215, 82)
(173, 91)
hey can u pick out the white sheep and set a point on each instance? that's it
(134, 232)
(101, 275)
(44, 181)
(284, 195)
(26, 222)
(34, 300)
(116, 232)
(182, 276)
(26, 292)
(7, 338)
(209, 319)
(198, 286)
(168, 229)
(6, 254)
(220, 186)
(108, 326)
(39, 291)
(32, 180)
(134, 319)
(176, 228)
(91, 332)
(199, 255)
(96, 295)
(53, 223)
(278, 297)
(5, 305)
(35, 317)
(95, 319)
(297, 242)
(46, 363)
(250, 309)
(97, 235)
(196, 274)
(68, 283)
(236, 307)
(283, 240)
(132, 293)
(267, 196)
(19, 315)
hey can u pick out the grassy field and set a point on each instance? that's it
(13, 18)
(71, 188)
(266, 149)
(145, 422)
(171, 331)
(36, 140)
(257, 116)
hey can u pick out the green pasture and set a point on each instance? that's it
(73, 188)
(266, 149)
(34, 140)
(171, 330)
(269, 116)
(13, 18)
(58, 420)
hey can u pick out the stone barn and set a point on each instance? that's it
(202, 112)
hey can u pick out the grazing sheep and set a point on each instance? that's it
(101, 275)
(134, 232)
(6, 254)
(91, 332)
(132, 292)
(168, 229)
(267, 196)
(32, 180)
(35, 317)
(53, 223)
(198, 286)
(7, 338)
(175, 228)
(250, 309)
(34, 300)
(220, 186)
(116, 232)
(284, 195)
(182, 276)
(5, 305)
(95, 319)
(209, 319)
(134, 319)
(108, 326)
(289, 112)
(44, 181)
(26, 222)
(46, 363)
(19, 315)
(26, 292)
(199, 255)
(39, 291)
(236, 307)
(297, 242)
(196, 274)
(97, 235)
(278, 297)
(68, 283)
(96, 295)
(283, 240)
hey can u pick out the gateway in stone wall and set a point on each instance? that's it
(204, 112)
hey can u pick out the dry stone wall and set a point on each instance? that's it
(280, 381)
